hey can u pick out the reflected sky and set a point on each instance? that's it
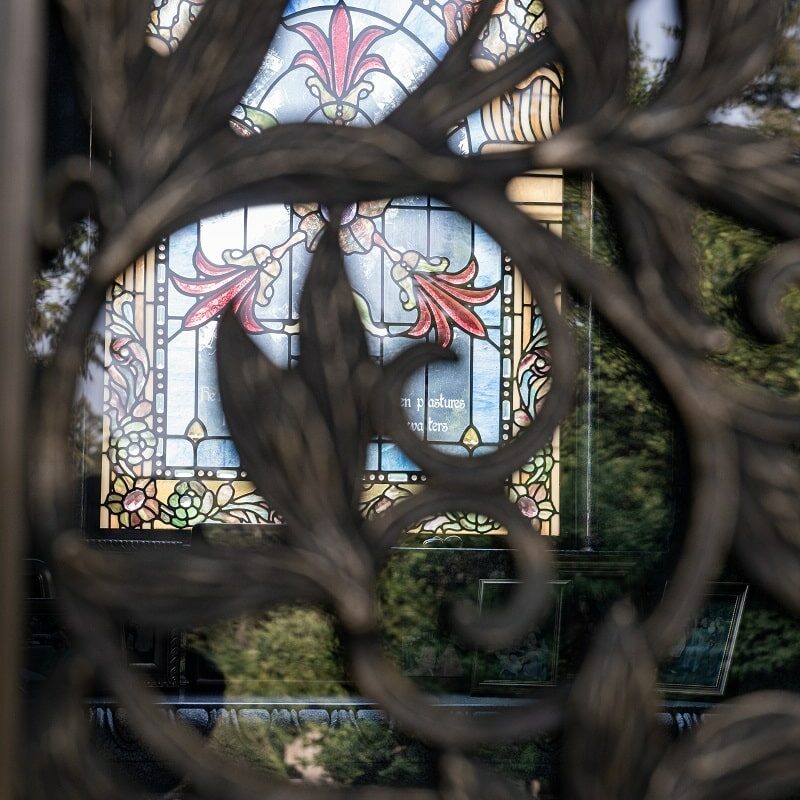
(652, 18)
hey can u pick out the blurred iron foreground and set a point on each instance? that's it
(176, 160)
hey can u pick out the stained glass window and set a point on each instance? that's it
(419, 271)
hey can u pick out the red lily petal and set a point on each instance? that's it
(208, 308)
(444, 331)
(203, 286)
(465, 294)
(316, 38)
(208, 268)
(461, 314)
(313, 62)
(363, 42)
(244, 306)
(423, 323)
(368, 65)
(465, 276)
(475, 297)
(341, 36)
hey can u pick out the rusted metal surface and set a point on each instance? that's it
(166, 120)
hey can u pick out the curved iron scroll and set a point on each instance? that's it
(176, 160)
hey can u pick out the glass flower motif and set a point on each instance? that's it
(339, 64)
(533, 374)
(444, 299)
(244, 279)
(133, 500)
(357, 227)
(127, 374)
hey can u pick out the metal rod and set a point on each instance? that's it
(21, 96)
(590, 420)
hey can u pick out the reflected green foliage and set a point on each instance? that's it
(373, 754)
(645, 75)
(631, 450)
(288, 651)
(259, 745)
(767, 653)
(637, 465)
(727, 253)
(629, 443)
(364, 754)
(411, 593)
(767, 650)
(523, 764)
(86, 437)
(295, 652)
(632, 502)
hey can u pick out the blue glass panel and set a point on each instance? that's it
(453, 450)
(275, 346)
(217, 453)
(179, 453)
(489, 255)
(427, 30)
(221, 233)
(181, 371)
(209, 402)
(449, 385)
(173, 327)
(373, 455)
(486, 390)
(181, 249)
(393, 458)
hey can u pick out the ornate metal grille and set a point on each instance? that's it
(166, 121)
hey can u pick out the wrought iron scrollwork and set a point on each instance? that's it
(175, 160)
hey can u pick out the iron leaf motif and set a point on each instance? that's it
(335, 363)
(614, 740)
(748, 749)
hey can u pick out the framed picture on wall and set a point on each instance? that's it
(531, 662)
(701, 660)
